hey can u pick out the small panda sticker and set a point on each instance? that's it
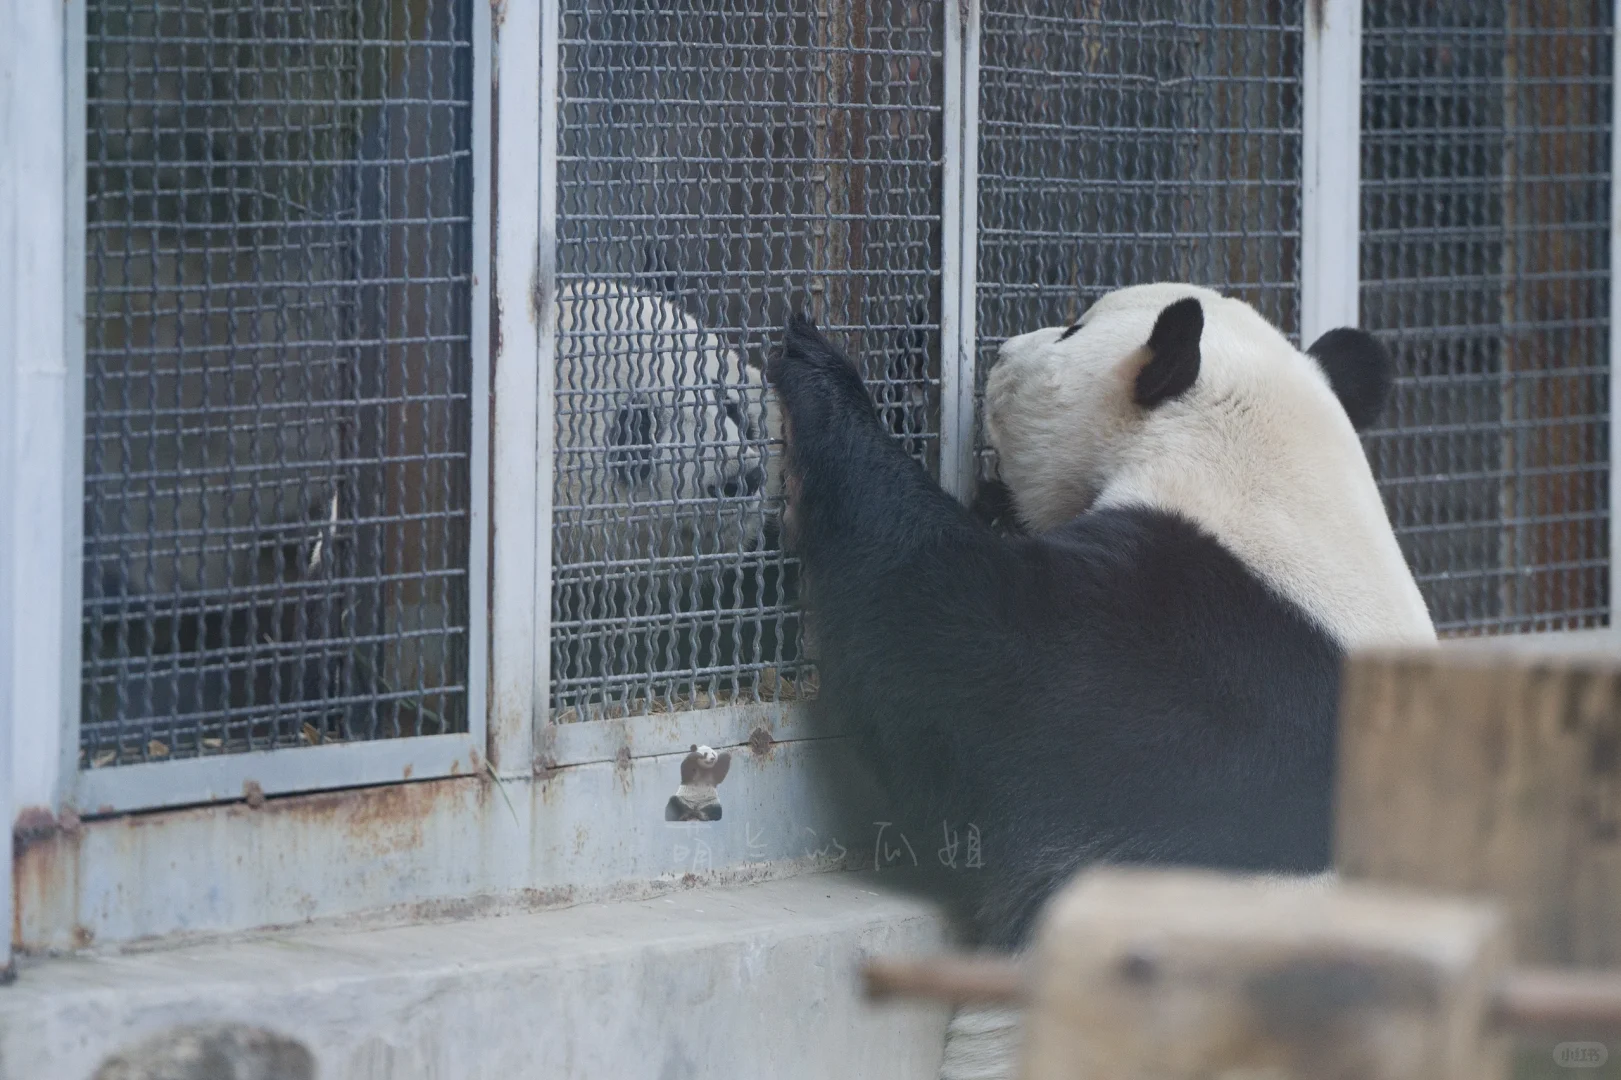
(702, 770)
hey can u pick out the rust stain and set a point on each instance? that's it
(622, 770)
(760, 741)
(498, 15)
(546, 769)
(540, 290)
(363, 808)
(407, 773)
(83, 936)
(44, 867)
(473, 907)
(375, 822)
(33, 823)
(253, 794)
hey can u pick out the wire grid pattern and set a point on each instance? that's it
(1485, 267)
(1128, 141)
(277, 374)
(721, 164)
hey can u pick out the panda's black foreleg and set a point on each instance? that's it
(853, 489)
(911, 605)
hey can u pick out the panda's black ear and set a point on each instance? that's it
(1173, 354)
(1359, 369)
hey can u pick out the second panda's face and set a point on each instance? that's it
(694, 442)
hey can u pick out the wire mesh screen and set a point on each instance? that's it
(1485, 264)
(277, 374)
(1127, 141)
(719, 164)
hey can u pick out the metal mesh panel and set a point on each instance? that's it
(1130, 141)
(1485, 265)
(719, 164)
(277, 374)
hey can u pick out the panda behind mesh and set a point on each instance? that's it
(665, 496)
(1149, 673)
(661, 432)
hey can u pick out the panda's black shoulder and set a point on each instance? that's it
(1154, 571)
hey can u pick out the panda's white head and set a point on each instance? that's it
(1177, 398)
(663, 432)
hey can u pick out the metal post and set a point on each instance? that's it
(35, 251)
(525, 64)
(1330, 167)
(959, 222)
(39, 361)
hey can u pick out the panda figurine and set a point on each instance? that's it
(1150, 672)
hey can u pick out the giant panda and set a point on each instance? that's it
(1150, 673)
(661, 431)
(662, 473)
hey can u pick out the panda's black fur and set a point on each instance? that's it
(1122, 688)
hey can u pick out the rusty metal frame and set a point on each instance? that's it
(192, 781)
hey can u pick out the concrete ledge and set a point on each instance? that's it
(746, 981)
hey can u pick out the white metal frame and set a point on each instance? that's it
(526, 93)
(47, 765)
(959, 227)
(35, 377)
(35, 159)
(1330, 167)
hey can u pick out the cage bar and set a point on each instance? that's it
(1330, 158)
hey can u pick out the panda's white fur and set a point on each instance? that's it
(1259, 452)
(661, 432)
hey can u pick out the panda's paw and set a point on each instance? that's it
(810, 368)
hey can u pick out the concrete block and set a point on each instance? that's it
(755, 981)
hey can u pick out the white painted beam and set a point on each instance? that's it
(1331, 167)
